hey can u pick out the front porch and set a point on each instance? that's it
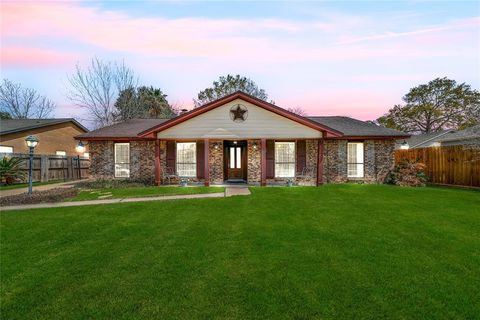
(234, 162)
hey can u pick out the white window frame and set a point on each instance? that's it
(356, 167)
(180, 148)
(3, 149)
(122, 169)
(61, 153)
(293, 164)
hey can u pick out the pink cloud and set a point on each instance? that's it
(25, 56)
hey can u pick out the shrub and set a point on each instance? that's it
(109, 184)
(407, 173)
(11, 170)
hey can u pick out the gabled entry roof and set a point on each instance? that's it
(248, 98)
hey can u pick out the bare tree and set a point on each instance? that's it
(298, 110)
(23, 103)
(97, 87)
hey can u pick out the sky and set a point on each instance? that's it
(330, 58)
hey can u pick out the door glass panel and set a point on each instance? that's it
(239, 157)
(232, 157)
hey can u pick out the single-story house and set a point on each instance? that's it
(240, 138)
(466, 137)
(56, 136)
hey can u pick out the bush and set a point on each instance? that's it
(109, 184)
(52, 195)
(11, 170)
(407, 173)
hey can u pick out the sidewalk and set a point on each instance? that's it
(228, 193)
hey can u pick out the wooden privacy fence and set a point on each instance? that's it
(454, 165)
(53, 167)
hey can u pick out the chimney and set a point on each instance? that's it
(182, 111)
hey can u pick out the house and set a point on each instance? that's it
(56, 136)
(240, 138)
(467, 137)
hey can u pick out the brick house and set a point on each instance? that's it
(239, 138)
(56, 136)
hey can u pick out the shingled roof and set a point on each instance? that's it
(18, 125)
(356, 128)
(128, 129)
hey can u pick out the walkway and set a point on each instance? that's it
(228, 193)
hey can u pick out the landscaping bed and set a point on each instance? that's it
(52, 195)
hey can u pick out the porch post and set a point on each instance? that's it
(320, 162)
(158, 167)
(206, 145)
(263, 181)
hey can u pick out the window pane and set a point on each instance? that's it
(187, 159)
(61, 153)
(232, 157)
(285, 159)
(239, 157)
(5, 149)
(122, 160)
(355, 165)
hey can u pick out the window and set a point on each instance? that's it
(5, 149)
(60, 153)
(122, 160)
(355, 159)
(235, 157)
(284, 159)
(86, 155)
(187, 159)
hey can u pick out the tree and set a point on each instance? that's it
(23, 103)
(97, 87)
(440, 104)
(5, 115)
(143, 102)
(298, 110)
(228, 85)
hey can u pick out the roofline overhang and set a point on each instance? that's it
(248, 98)
(75, 122)
(369, 137)
(112, 138)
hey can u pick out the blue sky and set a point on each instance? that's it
(344, 58)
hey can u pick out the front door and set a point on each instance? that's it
(235, 160)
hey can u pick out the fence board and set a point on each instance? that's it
(53, 167)
(455, 165)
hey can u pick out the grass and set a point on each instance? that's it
(333, 252)
(25, 185)
(141, 192)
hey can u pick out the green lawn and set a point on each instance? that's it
(110, 193)
(25, 185)
(333, 252)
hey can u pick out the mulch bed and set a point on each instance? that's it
(52, 195)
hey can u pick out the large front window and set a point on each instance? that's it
(122, 160)
(187, 159)
(355, 159)
(284, 159)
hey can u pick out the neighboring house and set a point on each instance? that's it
(56, 136)
(240, 138)
(467, 137)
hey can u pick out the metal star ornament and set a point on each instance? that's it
(238, 113)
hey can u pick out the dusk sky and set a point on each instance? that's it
(330, 58)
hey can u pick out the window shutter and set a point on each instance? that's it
(171, 155)
(301, 155)
(270, 159)
(200, 159)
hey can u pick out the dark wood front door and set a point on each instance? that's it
(235, 160)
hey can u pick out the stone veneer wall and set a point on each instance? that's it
(216, 161)
(102, 159)
(254, 162)
(335, 161)
(142, 161)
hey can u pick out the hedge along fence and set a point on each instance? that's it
(53, 167)
(454, 165)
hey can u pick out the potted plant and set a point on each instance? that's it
(183, 181)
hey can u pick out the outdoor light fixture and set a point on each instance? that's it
(216, 146)
(255, 145)
(80, 148)
(32, 142)
(404, 145)
(234, 142)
